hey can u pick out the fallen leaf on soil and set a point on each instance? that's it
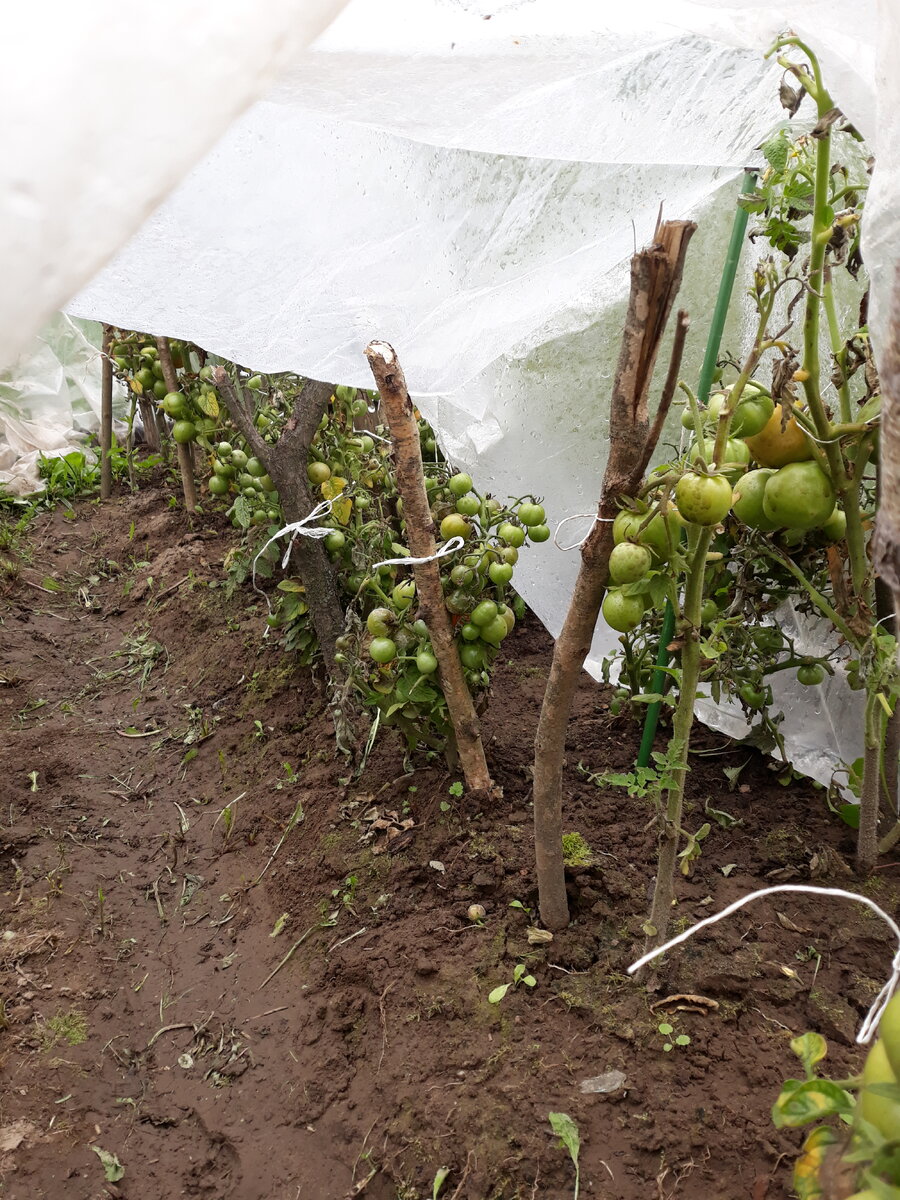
(687, 1002)
(787, 923)
(539, 937)
(12, 1136)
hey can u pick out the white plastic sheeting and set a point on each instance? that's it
(106, 105)
(49, 400)
(468, 181)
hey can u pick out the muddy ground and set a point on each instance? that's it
(244, 973)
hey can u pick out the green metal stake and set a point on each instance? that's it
(713, 342)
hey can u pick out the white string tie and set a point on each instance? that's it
(875, 1013)
(575, 517)
(296, 529)
(455, 543)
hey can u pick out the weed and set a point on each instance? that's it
(567, 1132)
(69, 1027)
(667, 1030)
(576, 851)
(519, 976)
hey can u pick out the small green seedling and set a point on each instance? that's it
(519, 976)
(439, 1179)
(522, 908)
(455, 789)
(667, 1030)
(567, 1132)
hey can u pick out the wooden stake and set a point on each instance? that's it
(185, 465)
(655, 278)
(398, 410)
(106, 389)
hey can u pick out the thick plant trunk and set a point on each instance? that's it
(286, 463)
(398, 410)
(655, 278)
(185, 462)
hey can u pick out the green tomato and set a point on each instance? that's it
(531, 514)
(752, 696)
(359, 407)
(748, 499)
(470, 632)
(767, 638)
(495, 631)
(709, 610)
(510, 555)
(265, 482)
(461, 575)
(799, 496)
(881, 1111)
(810, 674)
(455, 525)
(627, 528)
(184, 432)
(173, 404)
(239, 459)
(224, 449)
(160, 391)
(460, 484)
(513, 535)
(382, 650)
(457, 601)
(254, 383)
(484, 613)
(468, 505)
(622, 613)
(735, 457)
(318, 473)
(334, 541)
(501, 573)
(752, 414)
(380, 621)
(471, 656)
(346, 395)
(835, 528)
(703, 499)
(404, 593)
(426, 663)
(629, 562)
(539, 533)
(889, 1033)
(218, 486)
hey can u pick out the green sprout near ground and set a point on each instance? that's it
(576, 851)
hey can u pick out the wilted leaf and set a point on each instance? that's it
(112, 1168)
(810, 1048)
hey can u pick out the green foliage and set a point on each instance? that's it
(567, 1132)
(576, 851)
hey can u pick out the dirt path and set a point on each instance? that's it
(173, 824)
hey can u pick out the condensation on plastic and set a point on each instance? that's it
(471, 190)
(106, 105)
(49, 400)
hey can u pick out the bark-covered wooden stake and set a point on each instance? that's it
(106, 390)
(398, 410)
(185, 465)
(655, 279)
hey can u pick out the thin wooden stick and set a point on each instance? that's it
(398, 410)
(106, 388)
(655, 279)
(185, 465)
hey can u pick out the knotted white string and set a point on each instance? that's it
(875, 1013)
(575, 517)
(455, 543)
(296, 529)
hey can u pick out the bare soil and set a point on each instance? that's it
(154, 750)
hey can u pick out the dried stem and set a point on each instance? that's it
(398, 410)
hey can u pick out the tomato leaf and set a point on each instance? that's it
(498, 993)
(812, 1100)
(810, 1048)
